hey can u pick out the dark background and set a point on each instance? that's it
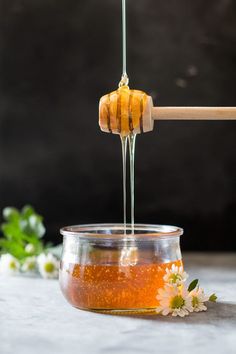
(58, 57)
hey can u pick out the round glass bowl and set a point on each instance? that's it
(109, 269)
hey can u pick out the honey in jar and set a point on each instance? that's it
(106, 271)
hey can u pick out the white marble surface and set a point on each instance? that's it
(36, 319)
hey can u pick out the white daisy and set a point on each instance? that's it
(198, 299)
(174, 300)
(175, 275)
(9, 265)
(29, 248)
(29, 265)
(48, 265)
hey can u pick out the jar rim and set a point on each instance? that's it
(117, 231)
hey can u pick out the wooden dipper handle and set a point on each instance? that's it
(193, 113)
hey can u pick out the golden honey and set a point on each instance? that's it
(113, 287)
(121, 111)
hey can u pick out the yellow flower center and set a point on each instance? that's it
(177, 302)
(31, 266)
(12, 265)
(195, 301)
(49, 267)
(174, 278)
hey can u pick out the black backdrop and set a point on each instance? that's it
(58, 57)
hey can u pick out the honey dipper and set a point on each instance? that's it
(124, 111)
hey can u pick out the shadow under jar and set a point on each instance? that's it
(109, 269)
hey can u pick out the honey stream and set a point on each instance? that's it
(131, 138)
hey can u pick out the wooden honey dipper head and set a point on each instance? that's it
(125, 111)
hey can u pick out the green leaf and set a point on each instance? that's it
(193, 285)
(213, 298)
(14, 249)
(10, 214)
(11, 231)
(27, 211)
(19, 229)
(31, 222)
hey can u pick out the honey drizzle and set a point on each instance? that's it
(132, 139)
(124, 155)
(124, 36)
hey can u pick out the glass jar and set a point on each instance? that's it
(106, 268)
